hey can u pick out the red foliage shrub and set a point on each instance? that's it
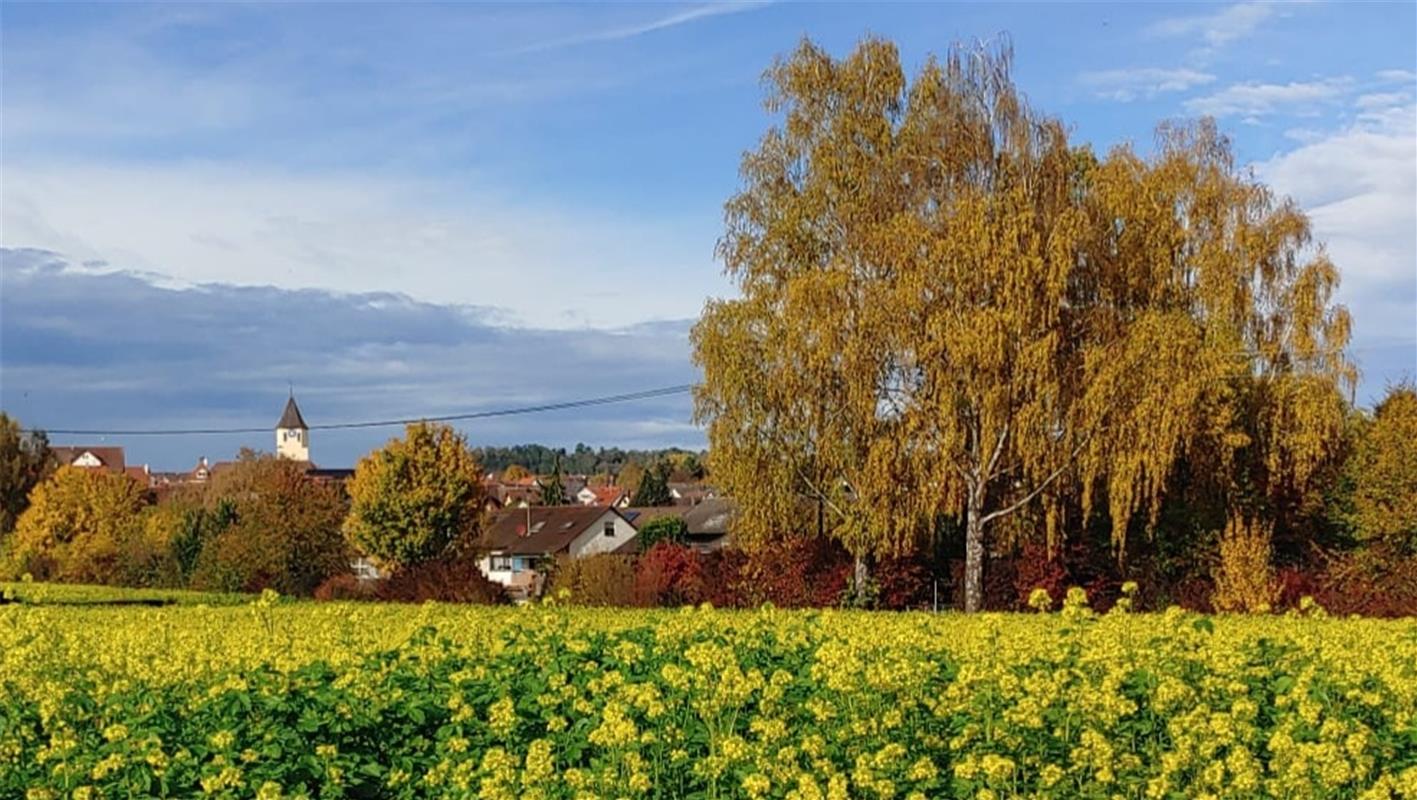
(720, 570)
(1377, 581)
(902, 583)
(457, 581)
(1036, 568)
(1295, 584)
(999, 577)
(670, 574)
(1193, 594)
(796, 572)
(344, 587)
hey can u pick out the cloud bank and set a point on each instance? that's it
(92, 347)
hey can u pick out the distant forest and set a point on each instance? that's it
(583, 460)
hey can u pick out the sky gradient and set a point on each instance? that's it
(432, 209)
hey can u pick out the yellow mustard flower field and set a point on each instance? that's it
(273, 699)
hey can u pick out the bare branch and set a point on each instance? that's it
(1037, 490)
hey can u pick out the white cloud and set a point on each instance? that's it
(1222, 27)
(1380, 100)
(543, 264)
(630, 31)
(1260, 99)
(1126, 85)
(1398, 75)
(1359, 187)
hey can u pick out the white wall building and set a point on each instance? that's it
(522, 540)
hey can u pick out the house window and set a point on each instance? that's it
(501, 563)
(610, 528)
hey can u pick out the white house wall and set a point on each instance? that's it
(593, 540)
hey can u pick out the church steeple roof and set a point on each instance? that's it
(290, 418)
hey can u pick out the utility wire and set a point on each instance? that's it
(647, 394)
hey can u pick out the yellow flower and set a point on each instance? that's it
(1039, 600)
(116, 732)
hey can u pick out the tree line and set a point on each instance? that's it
(415, 506)
(583, 460)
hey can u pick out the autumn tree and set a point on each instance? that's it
(629, 477)
(654, 487)
(77, 526)
(553, 489)
(514, 473)
(415, 498)
(946, 309)
(263, 523)
(24, 462)
(1383, 471)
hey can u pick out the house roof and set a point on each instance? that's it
(111, 458)
(710, 517)
(329, 473)
(639, 515)
(290, 418)
(629, 548)
(553, 528)
(606, 495)
(690, 493)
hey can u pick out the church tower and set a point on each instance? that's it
(292, 434)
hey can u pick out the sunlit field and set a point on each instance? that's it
(275, 699)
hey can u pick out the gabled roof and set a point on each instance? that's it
(110, 458)
(290, 418)
(639, 516)
(605, 495)
(710, 517)
(553, 528)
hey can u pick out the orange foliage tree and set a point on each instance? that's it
(76, 527)
(945, 308)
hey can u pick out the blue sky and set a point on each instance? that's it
(425, 209)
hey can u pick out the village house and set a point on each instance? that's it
(101, 458)
(603, 496)
(707, 523)
(513, 494)
(690, 494)
(520, 541)
(108, 459)
(528, 491)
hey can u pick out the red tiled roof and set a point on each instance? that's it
(606, 495)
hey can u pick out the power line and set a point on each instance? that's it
(647, 394)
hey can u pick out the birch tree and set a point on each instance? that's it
(946, 308)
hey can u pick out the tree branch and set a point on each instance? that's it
(998, 450)
(818, 492)
(1040, 487)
